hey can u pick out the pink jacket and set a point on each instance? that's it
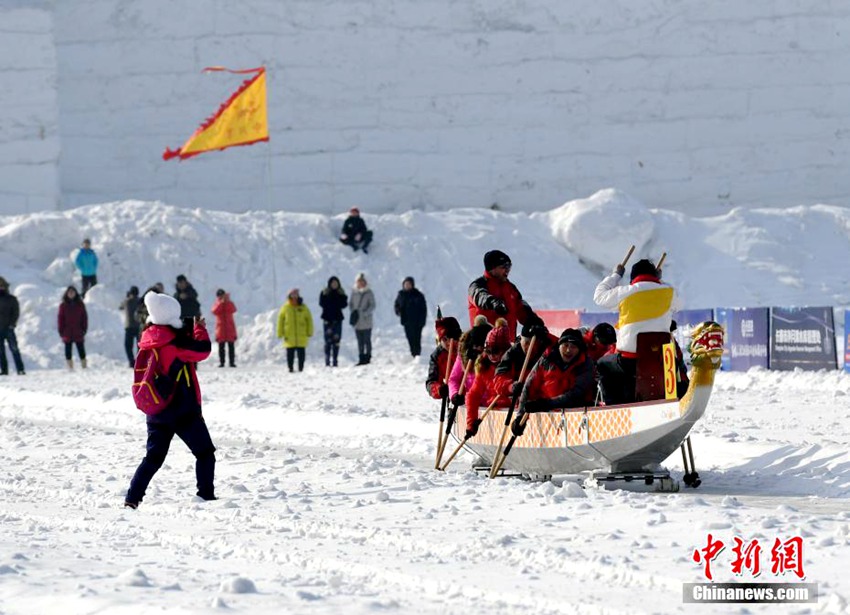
(457, 375)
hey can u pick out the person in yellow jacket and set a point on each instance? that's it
(645, 305)
(295, 327)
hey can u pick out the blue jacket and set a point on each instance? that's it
(86, 261)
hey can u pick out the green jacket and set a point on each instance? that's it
(295, 325)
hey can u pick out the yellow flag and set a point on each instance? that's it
(241, 120)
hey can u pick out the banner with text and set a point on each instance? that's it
(558, 320)
(746, 339)
(802, 337)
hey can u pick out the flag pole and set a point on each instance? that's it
(271, 224)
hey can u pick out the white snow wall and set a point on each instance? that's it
(397, 104)
(29, 111)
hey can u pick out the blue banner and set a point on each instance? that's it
(686, 320)
(802, 337)
(746, 339)
(847, 340)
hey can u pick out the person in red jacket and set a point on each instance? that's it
(509, 367)
(73, 322)
(180, 346)
(448, 334)
(563, 378)
(493, 295)
(225, 326)
(482, 392)
(600, 340)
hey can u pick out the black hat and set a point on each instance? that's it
(134, 290)
(219, 292)
(496, 258)
(181, 278)
(573, 336)
(605, 333)
(478, 334)
(643, 267)
(409, 279)
(448, 327)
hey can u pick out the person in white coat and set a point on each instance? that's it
(645, 305)
(362, 305)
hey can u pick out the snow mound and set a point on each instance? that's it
(238, 585)
(600, 228)
(135, 577)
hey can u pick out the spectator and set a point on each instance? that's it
(131, 326)
(333, 301)
(187, 296)
(354, 232)
(9, 313)
(410, 307)
(225, 326)
(86, 262)
(180, 350)
(295, 326)
(141, 309)
(73, 322)
(362, 305)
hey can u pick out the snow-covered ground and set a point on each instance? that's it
(329, 503)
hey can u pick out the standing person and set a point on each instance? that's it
(131, 325)
(333, 301)
(354, 232)
(362, 305)
(410, 307)
(10, 310)
(493, 295)
(225, 326)
(86, 262)
(73, 322)
(187, 296)
(178, 350)
(295, 326)
(141, 309)
(645, 305)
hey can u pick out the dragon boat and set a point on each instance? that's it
(621, 440)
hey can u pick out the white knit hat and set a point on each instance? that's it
(163, 310)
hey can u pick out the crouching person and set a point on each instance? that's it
(563, 378)
(181, 346)
(483, 389)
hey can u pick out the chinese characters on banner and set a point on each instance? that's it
(785, 556)
(802, 337)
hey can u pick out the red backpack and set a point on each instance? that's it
(153, 389)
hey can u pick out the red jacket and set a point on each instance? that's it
(437, 371)
(485, 289)
(560, 384)
(225, 326)
(188, 349)
(73, 320)
(595, 350)
(508, 369)
(482, 391)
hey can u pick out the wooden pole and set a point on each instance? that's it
(460, 446)
(513, 405)
(661, 261)
(443, 406)
(628, 256)
(446, 438)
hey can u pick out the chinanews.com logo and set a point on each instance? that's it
(785, 560)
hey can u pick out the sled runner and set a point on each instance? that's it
(623, 439)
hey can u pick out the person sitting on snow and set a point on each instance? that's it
(482, 391)
(646, 306)
(354, 232)
(493, 295)
(563, 378)
(448, 333)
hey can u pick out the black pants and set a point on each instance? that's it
(363, 244)
(7, 336)
(617, 379)
(195, 434)
(364, 342)
(131, 342)
(231, 351)
(414, 338)
(88, 282)
(290, 358)
(333, 333)
(81, 350)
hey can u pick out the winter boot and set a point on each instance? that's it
(70, 363)
(368, 358)
(362, 360)
(83, 363)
